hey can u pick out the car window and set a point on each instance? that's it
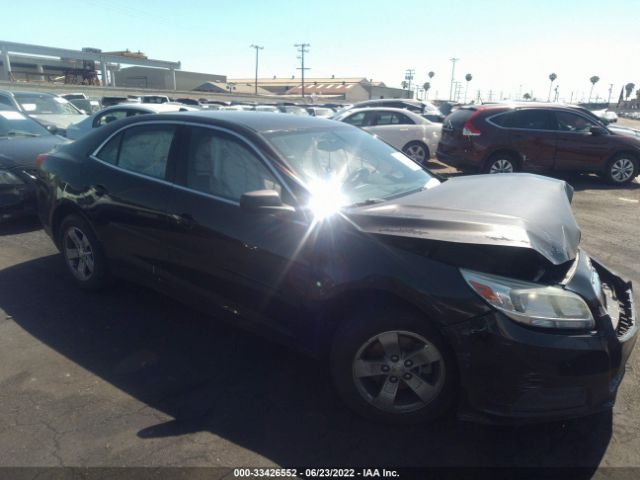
(222, 166)
(145, 149)
(4, 100)
(390, 118)
(108, 117)
(45, 104)
(109, 152)
(570, 122)
(530, 120)
(356, 119)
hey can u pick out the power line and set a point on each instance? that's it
(302, 49)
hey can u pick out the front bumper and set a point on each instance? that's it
(16, 201)
(514, 374)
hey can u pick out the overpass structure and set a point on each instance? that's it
(37, 59)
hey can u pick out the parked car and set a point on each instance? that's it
(422, 295)
(407, 131)
(22, 139)
(538, 138)
(52, 111)
(607, 116)
(426, 109)
(118, 112)
(154, 99)
(86, 106)
(293, 110)
(267, 108)
(322, 112)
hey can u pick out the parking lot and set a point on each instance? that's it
(130, 378)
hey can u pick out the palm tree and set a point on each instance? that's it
(552, 77)
(468, 77)
(595, 79)
(426, 86)
(629, 89)
(527, 96)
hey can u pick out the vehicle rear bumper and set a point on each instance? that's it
(513, 374)
(457, 161)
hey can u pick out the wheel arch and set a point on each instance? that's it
(60, 213)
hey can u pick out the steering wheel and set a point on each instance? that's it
(357, 176)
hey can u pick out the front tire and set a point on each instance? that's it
(390, 365)
(83, 254)
(622, 169)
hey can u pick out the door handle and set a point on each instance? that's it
(99, 190)
(184, 220)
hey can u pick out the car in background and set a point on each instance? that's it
(322, 112)
(504, 138)
(266, 108)
(88, 106)
(22, 139)
(607, 116)
(119, 112)
(293, 110)
(426, 109)
(154, 99)
(420, 295)
(52, 111)
(407, 131)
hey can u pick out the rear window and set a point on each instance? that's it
(456, 120)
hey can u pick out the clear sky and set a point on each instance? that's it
(508, 46)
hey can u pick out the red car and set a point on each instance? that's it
(537, 138)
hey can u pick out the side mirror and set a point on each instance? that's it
(595, 130)
(53, 130)
(266, 201)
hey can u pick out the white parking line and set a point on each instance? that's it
(631, 200)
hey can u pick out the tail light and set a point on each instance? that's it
(469, 129)
(40, 159)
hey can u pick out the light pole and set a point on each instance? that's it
(258, 48)
(453, 72)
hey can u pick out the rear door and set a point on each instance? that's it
(395, 128)
(533, 135)
(127, 198)
(578, 149)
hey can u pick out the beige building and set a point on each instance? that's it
(348, 89)
(159, 79)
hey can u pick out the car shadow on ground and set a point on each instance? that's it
(210, 376)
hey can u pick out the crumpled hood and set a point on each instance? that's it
(518, 210)
(60, 121)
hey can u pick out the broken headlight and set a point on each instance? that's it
(530, 303)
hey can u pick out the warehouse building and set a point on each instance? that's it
(348, 89)
(159, 79)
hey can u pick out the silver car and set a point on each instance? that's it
(409, 132)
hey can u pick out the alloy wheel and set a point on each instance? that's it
(501, 166)
(416, 152)
(622, 169)
(398, 371)
(78, 253)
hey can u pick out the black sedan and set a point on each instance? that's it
(21, 141)
(422, 294)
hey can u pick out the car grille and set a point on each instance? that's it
(626, 318)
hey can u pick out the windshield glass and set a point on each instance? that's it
(14, 124)
(350, 165)
(45, 104)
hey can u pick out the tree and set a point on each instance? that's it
(468, 77)
(552, 77)
(595, 79)
(527, 96)
(629, 89)
(404, 84)
(431, 75)
(427, 87)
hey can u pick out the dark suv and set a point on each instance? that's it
(536, 138)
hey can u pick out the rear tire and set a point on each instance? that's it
(501, 162)
(83, 254)
(621, 169)
(418, 152)
(391, 365)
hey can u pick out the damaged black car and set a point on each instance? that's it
(423, 295)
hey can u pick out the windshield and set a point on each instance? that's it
(14, 124)
(45, 104)
(350, 165)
